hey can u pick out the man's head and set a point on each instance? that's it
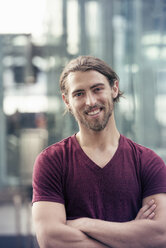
(87, 63)
(89, 89)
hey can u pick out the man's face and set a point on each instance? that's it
(90, 99)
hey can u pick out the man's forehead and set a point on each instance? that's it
(85, 74)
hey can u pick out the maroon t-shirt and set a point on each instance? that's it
(64, 173)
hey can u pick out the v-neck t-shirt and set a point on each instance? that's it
(63, 173)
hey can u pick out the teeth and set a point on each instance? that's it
(94, 112)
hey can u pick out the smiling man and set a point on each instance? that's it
(97, 188)
(95, 113)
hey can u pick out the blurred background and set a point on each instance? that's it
(37, 39)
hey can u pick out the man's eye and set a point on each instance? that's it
(97, 89)
(78, 94)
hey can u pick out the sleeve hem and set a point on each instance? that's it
(155, 191)
(45, 198)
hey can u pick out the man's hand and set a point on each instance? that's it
(147, 211)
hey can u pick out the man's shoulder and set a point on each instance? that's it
(134, 145)
(145, 154)
(59, 147)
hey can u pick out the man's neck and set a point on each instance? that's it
(109, 136)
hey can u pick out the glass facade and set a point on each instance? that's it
(130, 35)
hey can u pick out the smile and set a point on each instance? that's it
(94, 112)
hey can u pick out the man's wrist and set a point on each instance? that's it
(82, 224)
(86, 224)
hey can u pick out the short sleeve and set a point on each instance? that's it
(47, 178)
(153, 174)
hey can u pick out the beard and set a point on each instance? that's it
(96, 124)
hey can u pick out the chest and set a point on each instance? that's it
(111, 193)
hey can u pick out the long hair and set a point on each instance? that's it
(87, 63)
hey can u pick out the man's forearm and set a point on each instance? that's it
(63, 236)
(137, 233)
(146, 231)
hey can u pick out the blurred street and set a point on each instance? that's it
(16, 229)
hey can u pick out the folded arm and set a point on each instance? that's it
(139, 233)
(52, 230)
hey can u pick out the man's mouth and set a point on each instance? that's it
(94, 111)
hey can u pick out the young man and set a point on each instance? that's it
(97, 188)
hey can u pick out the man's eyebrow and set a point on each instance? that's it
(77, 91)
(96, 85)
(92, 87)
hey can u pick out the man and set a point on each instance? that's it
(97, 188)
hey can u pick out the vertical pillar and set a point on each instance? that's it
(106, 30)
(2, 122)
(83, 33)
(145, 122)
(137, 58)
(64, 22)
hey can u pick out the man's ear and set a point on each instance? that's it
(66, 101)
(115, 89)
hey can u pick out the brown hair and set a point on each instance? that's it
(87, 63)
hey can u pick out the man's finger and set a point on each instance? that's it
(151, 216)
(147, 210)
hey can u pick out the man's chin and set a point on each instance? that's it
(97, 127)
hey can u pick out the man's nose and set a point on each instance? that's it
(90, 99)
